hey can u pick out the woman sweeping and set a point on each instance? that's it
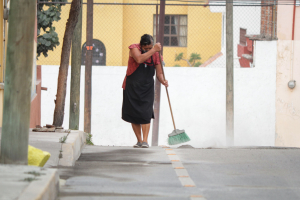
(138, 87)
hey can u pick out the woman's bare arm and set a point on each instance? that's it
(160, 76)
(139, 57)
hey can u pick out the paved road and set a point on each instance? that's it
(183, 173)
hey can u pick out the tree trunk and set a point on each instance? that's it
(18, 81)
(187, 62)
(75, 76)
(64, 64)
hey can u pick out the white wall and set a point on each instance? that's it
(198, 99)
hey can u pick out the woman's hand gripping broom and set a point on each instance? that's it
(177, 136)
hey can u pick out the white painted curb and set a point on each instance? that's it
(72, 148)
(45, 187)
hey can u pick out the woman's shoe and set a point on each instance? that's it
(138, 145)
(145, 145)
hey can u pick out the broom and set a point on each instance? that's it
(177, 136)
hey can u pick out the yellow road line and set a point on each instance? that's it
(189, 186)
(182, 173)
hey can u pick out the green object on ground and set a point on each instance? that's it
(177, 137)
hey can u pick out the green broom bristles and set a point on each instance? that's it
(179, 138)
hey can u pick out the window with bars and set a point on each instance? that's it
(175, 30)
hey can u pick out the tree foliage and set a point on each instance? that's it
(193, 58)
(197, 64)
(179, 57)
(46, 15)
(191, 61)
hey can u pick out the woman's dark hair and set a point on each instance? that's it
(146, 39)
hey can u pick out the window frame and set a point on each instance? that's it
(170, 29)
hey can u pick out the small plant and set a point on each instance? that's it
(177, 65)
(89, 139)
(34, 173)
(197, 64)
(191, 61)
(29, 179)
(63, 139)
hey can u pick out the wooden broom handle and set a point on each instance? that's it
(162, 68)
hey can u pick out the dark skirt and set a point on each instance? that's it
(138, 96)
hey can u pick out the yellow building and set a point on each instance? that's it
(195, 30)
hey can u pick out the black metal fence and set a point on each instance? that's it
(194, 34)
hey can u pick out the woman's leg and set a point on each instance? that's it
(137, 130)
(145, 129)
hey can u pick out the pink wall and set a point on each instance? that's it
(35, 110)
(285, 22)
(288, 68)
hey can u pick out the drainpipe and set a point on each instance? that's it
(294, 14)
(293, 38)
(292, 83)
(274, 19)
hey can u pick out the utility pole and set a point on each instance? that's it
(18, 80)
(88, 68)
(75, 75)
(229, 75)
(157, 87)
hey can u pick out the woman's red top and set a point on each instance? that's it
(133, 65)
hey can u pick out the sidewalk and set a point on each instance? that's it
(41, 183)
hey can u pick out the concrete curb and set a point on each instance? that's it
(72, 148)
(46, 187)
(24, 182)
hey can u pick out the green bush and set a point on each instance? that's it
(197, 64)
(191, 61)
(45, 18)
